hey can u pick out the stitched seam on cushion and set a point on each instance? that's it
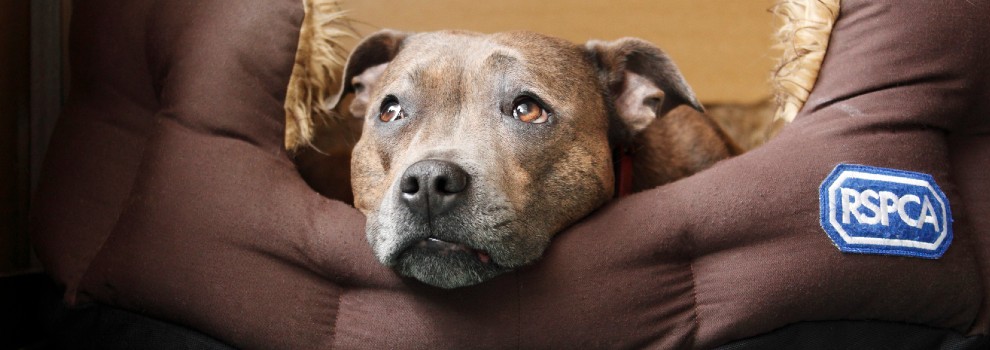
(126, 204)
(211, 130)
(694, 299)
(336, 318)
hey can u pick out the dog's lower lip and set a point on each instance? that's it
(445, 246)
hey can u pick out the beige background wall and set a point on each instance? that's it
(721, 46)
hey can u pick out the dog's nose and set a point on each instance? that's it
(431, 187)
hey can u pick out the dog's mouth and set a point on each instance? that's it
(447, 264)
(444, 248)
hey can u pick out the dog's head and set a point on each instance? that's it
(477, 149)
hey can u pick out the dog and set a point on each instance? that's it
(477, 148)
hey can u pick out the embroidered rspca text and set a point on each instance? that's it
(884, 211)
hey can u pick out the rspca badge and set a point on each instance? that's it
(874, 210)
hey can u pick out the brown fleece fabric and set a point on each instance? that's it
(167, 191)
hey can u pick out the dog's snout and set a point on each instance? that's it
(432, 187)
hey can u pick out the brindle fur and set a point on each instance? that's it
(527, 181)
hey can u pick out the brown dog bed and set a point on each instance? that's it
(168, 192)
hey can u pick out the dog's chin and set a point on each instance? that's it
(447, 264)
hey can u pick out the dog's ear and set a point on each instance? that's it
(365, 65)
(643, 82)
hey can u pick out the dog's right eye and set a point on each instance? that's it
(391, 110)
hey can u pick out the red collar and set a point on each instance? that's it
(624, 173)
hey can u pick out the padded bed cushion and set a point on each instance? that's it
(167, 192)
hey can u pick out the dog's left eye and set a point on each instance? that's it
(527, 110)
(391, 111)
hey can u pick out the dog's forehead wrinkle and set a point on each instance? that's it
(501, 59)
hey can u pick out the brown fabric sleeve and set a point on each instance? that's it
(167, 192)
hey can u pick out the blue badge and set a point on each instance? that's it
(874, 210)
